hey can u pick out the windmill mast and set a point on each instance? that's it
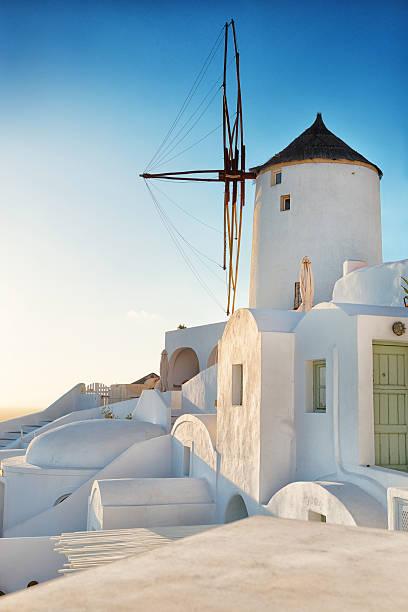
(233, 175)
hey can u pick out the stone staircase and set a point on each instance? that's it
(24, 435)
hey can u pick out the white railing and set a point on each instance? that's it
(99, 389)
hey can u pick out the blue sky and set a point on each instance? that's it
(91, 278)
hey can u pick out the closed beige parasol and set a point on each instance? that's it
(306, 285)
(164, 371)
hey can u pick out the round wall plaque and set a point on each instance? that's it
(398, 328)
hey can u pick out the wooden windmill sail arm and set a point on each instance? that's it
(223, 175)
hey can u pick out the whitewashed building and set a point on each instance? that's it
(280, 412)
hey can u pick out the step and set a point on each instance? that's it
(13, 435)
(42, 423)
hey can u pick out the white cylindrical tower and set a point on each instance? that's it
(320, 198)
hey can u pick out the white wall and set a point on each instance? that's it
(148, 459)
(341, 503)
(316, 335)
(199, 393)
(154, 407)
(277, 432)
(339, 444)
(238, 426)
(136, 502)
(29, 492)
(197, 433)
(375, 285)
(26, 559)
(334, 215)
(201, 339)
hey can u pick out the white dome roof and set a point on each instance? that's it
(88, 444)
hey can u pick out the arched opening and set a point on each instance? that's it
(183, 365)
(61, 498)
(213, 357)
(32, 583)
(236, 509)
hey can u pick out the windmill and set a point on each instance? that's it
(233, 175)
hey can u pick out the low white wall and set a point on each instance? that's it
(72, 417)
(120, 411)
(31, 491)
(11, 452)
(149, 459)
(375, 285)
(136, 502)
(26, 559)
(199, 393)
(153, 408)
(131, 517)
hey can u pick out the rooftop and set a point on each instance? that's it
(317, 142)
(258, 564)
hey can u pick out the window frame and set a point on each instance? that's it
(283, 199)
(318, 365)
(237, 384)
(274, 174)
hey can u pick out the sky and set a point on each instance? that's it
(90, 277)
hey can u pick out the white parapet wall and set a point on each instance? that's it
(200, 393)
(23, 560)
(154, 407)
(374, 285)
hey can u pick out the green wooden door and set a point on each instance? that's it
(390, 376)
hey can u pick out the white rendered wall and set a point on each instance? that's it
(153, 406)
(201, 339)
(197, 433)
(341, 503)
(149, 459)
(238, 426)
(199, 393)
(25, 559)
(148, 502)
(334, 215)
(339, 444)
(30, 490)
(374, 285)
(256, 439)
(277, 432)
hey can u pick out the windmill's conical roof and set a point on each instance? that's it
(317, 142)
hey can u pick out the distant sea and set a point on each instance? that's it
(12, 413)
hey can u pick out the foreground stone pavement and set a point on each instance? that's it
(256, 564)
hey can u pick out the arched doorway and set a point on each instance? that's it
(183, 365)
(236, 509)
(213, 357)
